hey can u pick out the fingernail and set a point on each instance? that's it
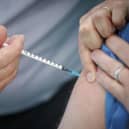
(90, 77)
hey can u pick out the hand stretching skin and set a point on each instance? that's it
(107, 67)
(9, 57)
(98, 24)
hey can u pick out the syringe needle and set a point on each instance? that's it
(71, 72)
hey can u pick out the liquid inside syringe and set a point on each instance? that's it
(48, 62)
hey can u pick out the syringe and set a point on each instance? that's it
(48, 62)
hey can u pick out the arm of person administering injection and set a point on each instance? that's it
(9, 56)
(100, 23)
(86, 106)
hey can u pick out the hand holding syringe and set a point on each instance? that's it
(9, 57)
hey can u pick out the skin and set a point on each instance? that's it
(86, 107)
(107, 66)
(98, 24)
(9, 56)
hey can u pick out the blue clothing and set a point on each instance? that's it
(116, 115)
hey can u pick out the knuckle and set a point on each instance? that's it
(84, 33)
(86, 25)
(88, 38)
(84, 28)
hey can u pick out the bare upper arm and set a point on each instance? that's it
(86, 107)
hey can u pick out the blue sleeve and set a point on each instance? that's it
(116, 115)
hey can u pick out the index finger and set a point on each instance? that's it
(87, 62)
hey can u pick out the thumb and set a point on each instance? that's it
(89, 66)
